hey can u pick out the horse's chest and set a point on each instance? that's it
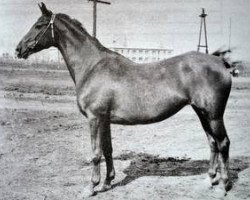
(95, 101)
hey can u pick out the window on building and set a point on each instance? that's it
(140, 58)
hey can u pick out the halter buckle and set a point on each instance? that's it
(51, 23)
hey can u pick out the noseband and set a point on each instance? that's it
(51, 24)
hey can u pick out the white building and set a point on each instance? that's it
(139, 55)
(144, 55)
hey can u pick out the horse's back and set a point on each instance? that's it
(191, 65)
(184, 73)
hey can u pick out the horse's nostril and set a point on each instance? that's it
(18, 49)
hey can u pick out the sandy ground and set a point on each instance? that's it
(45, 145)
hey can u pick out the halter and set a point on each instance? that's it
(51, 23)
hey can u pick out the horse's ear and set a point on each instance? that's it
(44, 10)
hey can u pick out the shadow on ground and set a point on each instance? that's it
(150, 165)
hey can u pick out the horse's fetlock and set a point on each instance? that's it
(224, 177)
(96, 159)
(212, 173)
(112, 175)
(95, 180)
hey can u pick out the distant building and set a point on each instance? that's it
(144, 55)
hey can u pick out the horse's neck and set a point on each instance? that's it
(79, 51)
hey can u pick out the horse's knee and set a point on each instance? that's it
(97, 159)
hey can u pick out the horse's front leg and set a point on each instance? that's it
(107, 152)
(96, 144)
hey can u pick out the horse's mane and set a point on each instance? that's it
(84, 31)
(73, 21)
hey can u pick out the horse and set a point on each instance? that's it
(111, 89)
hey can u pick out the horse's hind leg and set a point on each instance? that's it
(220, 135)
(214, 151)
(107, 152)
(213, 162)
(219, 144)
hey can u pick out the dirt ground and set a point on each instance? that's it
(45, 145)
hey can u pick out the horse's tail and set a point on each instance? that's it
(222, 55)
(227, 62)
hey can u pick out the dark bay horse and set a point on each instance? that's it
(112, 89)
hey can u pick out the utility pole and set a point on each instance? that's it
(230, 29)
(203, 23)
(95, 13)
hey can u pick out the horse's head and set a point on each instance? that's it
(40, 36)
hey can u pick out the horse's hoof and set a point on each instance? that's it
(88, 192)
(105, 187)
(228, 186)
(215, 181)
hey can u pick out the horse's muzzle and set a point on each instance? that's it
(21, 53)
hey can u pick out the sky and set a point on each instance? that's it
(171, 24)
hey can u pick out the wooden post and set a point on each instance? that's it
(95, 13)
(94, 18)
(203, 23)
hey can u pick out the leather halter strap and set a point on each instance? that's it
(51, 24)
